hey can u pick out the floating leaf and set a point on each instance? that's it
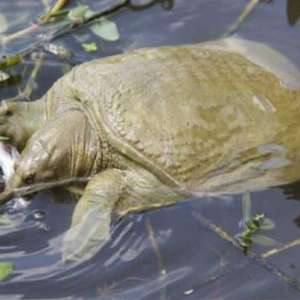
(263, 240)
(246, 203)
(78, 14)
(89, 47)
(3, 76)
(6, 269)
(3, 23)
(106, 29)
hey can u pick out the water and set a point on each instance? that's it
(167, 253)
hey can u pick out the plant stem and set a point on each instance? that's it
(245, 13)
(59, 4)
(37, 187)
(18, 34)
(280, 249)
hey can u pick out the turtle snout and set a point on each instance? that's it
(33, 165)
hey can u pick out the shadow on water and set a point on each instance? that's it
(166, 253)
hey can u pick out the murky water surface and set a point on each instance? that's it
(170, 253)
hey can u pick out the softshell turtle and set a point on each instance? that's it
(154, 126)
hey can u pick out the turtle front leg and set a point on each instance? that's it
(19, 120)
(90, 226)
(112, 192)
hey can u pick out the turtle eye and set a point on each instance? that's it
(29, 179)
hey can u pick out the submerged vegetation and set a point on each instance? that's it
(252, 226)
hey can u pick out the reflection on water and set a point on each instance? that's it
(166, 253)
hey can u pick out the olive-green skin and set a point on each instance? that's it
(154, 126)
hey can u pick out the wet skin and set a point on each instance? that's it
(154, 126)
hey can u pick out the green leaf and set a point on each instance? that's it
(263, 240)
(246, 207)
(89, 47)
(78, 14)
(6, 269)
(106, 29)
(267, 224)
(4, 138)
(10, 60)
(3, 23)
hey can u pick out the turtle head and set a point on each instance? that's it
(32, 167)
(51, 155)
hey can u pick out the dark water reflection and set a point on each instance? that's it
(166, 253)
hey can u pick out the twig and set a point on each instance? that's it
(16, 35)
(162, 269)
(27, 91)
(218, 230)
(37, 187)
(245, 13)
(280, 249)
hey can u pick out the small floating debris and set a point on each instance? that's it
(38, 214)
(189, 292)
(6, 269)
(44, 227)
(89, 47)
(58, 50)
